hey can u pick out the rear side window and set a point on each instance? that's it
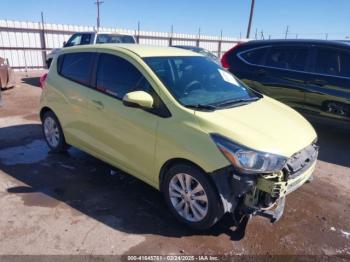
(333, 62)
(116, 76)
(254, 56)
(287, 58)
(76, 67)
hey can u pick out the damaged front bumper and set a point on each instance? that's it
(264, 194)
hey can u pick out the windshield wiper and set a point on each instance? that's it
(203, 107)
(236, 102)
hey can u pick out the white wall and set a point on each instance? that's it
(26, 35)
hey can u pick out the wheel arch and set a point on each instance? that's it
(44, 110)
(174, 161)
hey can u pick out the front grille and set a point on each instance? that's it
(300, 161)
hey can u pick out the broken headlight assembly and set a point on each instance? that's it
(247, 160)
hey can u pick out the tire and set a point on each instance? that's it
(53, 133)
(204, 206)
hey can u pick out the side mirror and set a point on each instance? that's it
(138, 99)
(64, 44)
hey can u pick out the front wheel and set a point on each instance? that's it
(191, 197)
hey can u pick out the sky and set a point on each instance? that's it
(304, 18)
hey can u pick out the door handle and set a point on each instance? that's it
(260, 72)
(319, 82)
(98, 104)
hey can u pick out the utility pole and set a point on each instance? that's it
(262, 35)
(42, 38)
(138, 32)
(250, 18)
(287, 29)
(98, 3)
(199, 37)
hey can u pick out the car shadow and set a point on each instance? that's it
(100, 191)
(33, 81)
(334, 145)
(91, 187)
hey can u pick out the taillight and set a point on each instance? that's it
(225, 58)
(42, 80)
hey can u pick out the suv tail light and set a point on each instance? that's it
(42, 80)
(225, 58)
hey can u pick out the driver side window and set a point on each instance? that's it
(74, 40)
(116, 77)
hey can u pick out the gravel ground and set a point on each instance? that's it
(71, 204)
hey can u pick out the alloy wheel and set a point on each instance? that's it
(51, 131)
(188, 197)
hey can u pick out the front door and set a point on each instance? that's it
(123, 136)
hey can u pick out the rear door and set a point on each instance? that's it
(282, 74)
(71, 103)
(328, 94)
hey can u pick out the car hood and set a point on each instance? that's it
(265, 125)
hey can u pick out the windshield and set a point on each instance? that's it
(198, 81)
(114, 38)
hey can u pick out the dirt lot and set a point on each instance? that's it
(71, 204)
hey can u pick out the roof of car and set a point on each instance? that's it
(342, 43)
(189, 47)
(141, 50)
(101, 32)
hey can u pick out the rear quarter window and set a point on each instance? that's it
(254, 56)
(76, 67)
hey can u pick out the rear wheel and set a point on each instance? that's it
(53, 133)
(191, 197)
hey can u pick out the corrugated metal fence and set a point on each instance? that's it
(26, 44)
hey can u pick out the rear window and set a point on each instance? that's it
(333, 62)
(76, 66)
(287, 58)
(114, 38)
(254, 56)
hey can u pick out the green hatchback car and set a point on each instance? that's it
(181, 123)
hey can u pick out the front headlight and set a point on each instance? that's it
(248, 160)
